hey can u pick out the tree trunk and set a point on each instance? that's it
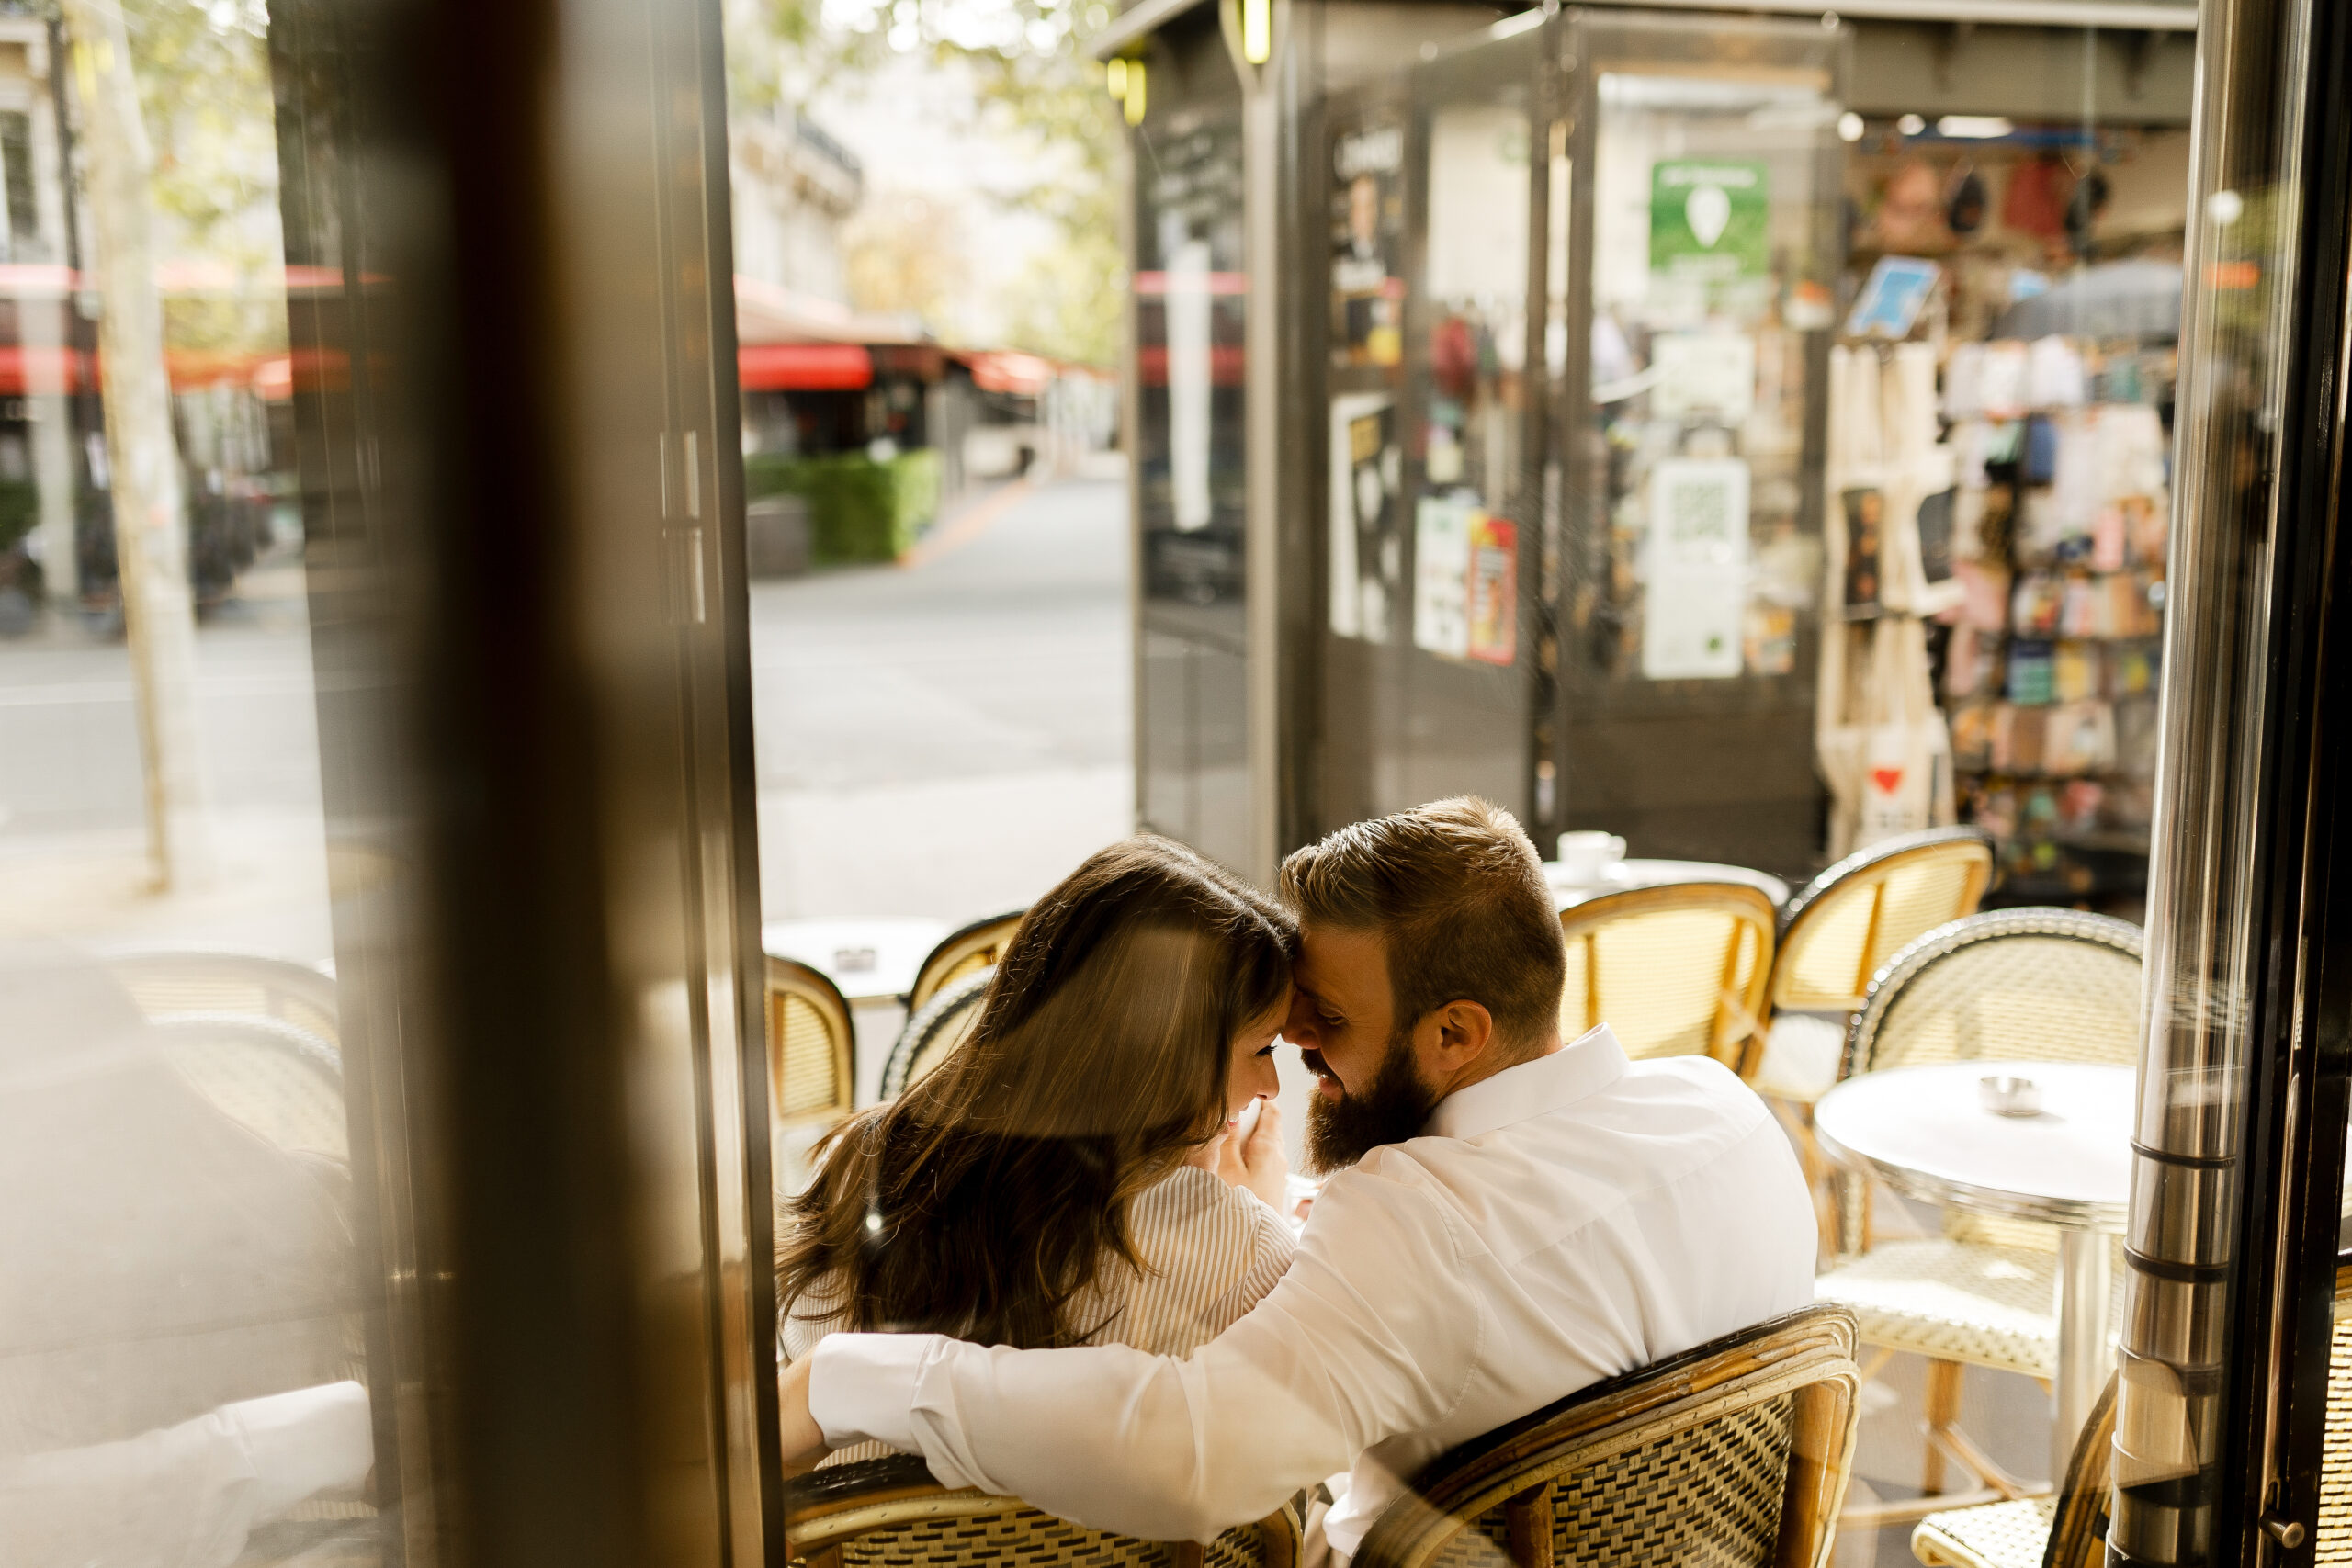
(150, 509)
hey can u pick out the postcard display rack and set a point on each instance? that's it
(2029, 594)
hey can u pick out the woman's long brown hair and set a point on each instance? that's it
(990, 1194)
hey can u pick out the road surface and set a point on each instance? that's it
(941, 738)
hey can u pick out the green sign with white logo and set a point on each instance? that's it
(1707, 219)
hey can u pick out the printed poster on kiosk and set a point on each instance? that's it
(1465, 581)
(1367, 245)
(1367, 545)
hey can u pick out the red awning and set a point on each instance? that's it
(24, 369)
(804, 366)
(1002, 370)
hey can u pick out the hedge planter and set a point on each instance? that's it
(859, 510)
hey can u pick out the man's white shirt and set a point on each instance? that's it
(1567, 1220)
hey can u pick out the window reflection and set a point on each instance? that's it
(183, 1377)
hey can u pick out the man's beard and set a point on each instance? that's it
(1395, 1105)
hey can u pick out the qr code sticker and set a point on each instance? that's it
(1699, 511)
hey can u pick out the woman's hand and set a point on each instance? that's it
(1257, 1162)
(803, 1440)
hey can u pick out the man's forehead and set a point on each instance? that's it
(1339, 958)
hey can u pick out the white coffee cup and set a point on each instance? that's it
(1586, 857)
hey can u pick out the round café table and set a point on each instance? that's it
(871, 960)
(1627, 873)
(1926, 1132)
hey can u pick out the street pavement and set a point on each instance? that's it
(941, 740)
(947, 738)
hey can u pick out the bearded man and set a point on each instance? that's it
(1508, 1219)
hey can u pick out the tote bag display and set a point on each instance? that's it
(1883, 745)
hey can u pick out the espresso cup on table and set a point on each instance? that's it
(1586, 858)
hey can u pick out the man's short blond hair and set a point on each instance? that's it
(1457, 892)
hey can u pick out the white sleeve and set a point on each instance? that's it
(1371, 1333)
(187, 1494)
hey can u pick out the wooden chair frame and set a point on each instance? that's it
(1808, 1353)
(2077, 1523)
(1869, 871)
(986, 937)
(827, 1509)
(1739, 1010)
(2079, 1530)
(788, 977)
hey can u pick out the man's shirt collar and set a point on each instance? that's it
(1583, 1066)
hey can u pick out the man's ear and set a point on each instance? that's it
(1450, 1037)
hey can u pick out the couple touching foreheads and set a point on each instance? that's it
(1054, 1270)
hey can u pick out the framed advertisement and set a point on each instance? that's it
(1367, 245)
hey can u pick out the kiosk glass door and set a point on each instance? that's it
(1703, 262)
(1433, 494)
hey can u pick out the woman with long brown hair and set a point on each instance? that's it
(1071, 1173)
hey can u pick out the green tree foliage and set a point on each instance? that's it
(203, 72)
(1035, 80)
(781, 51)
(1051, 90)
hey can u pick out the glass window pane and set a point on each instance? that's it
(375, 899)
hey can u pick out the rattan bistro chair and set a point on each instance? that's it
(960, 954)
(281, 1082)
(178, 983)
(933, 1033)
(2067, 1531)
(256, 1036)
(809, 1046)
(1674, 971)
(2332, 1532)
(888, 1513)
(1840, 929)
(1735, 1453)
(261, 1040)
(2035, 984)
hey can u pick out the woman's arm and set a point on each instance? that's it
(1369, 1337)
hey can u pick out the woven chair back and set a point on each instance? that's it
(961, 955)
(165, 984)
(932, 1036)
(256, 1036)
(283, 1083)
(2332, 1532)
(1846, 923)
(1736, 1452)
(888, 1513)
(809, 1046)
(1675, 971)
(2032, 985)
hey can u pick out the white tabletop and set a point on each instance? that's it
(1627, 873)
(1926, 1132)
(869, 959)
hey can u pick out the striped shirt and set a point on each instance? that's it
(1210, 1251)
